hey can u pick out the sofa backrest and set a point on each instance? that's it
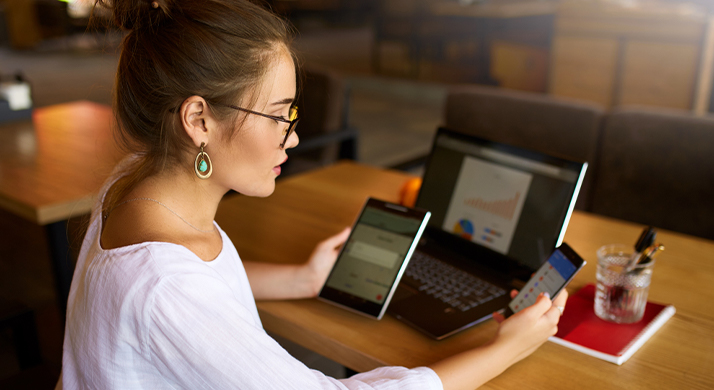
(656, 167)
(552, 125)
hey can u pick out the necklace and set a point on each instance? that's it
(167, 208)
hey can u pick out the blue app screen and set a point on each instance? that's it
(551, 277)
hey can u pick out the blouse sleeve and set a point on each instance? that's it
(199, 336)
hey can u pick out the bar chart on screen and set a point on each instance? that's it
(502, 208)
(487, 203)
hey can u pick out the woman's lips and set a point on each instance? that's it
(277, 169)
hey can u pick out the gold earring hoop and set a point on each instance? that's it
(203, 166)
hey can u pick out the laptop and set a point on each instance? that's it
(498, 212)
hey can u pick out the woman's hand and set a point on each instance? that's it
(517, 337)
(295, 281)
(320, 263)
(525, 331)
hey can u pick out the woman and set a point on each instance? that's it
(160, 298)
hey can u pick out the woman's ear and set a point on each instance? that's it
(197, 120)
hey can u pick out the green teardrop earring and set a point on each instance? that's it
(203, 166)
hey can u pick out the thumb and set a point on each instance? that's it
(338, 239)
(543, 303)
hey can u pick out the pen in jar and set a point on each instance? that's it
(645, 240)
(650, 253)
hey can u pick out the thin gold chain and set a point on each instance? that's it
(167, 208)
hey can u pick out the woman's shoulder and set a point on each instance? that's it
(154, 258)
(146, 272)
(153, 263)
(136, 274)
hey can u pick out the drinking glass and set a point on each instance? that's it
(621, 294)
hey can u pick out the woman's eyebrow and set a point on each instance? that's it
(284, 101)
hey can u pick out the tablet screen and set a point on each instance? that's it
(374, 257)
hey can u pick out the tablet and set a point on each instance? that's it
(374, 257)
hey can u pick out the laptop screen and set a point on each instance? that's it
(513, 201)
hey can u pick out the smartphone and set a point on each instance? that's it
(374, 257)
(557, 271)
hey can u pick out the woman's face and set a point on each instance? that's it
(250, 161)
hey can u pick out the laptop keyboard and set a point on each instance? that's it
(455, 287)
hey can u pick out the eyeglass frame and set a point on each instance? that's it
(291, 123)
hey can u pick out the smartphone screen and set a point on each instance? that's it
(551, 277)
(374, 257)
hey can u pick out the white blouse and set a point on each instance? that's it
(155, 316)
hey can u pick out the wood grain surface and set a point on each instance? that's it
(52, 167)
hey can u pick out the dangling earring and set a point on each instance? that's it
(203, 166)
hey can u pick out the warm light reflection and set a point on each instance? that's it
(61, 157)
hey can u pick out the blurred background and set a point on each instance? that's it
(396, 60)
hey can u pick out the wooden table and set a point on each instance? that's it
(51, 169)
(307, 208)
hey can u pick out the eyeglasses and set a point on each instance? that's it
(292, 121)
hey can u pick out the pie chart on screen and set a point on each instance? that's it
(464, 228)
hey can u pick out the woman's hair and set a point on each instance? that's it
(217, 49)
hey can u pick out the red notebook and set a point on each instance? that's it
(581, 330)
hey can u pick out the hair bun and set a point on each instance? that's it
(138, 14)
